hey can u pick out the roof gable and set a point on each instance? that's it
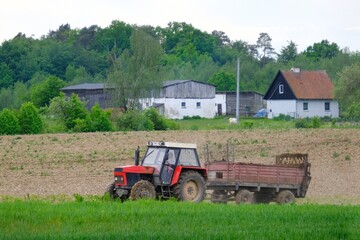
(309, 85)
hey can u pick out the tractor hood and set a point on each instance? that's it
(135, 169)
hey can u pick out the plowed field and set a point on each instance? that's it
(82, 163)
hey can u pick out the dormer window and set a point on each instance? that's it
(281, 89)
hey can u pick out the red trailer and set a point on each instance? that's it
(282, 182)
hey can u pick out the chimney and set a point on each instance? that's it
(295, 70)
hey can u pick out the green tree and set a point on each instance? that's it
(348, 91)
(288, 53)
(6, 76)
(29, 119)
(322, 49)
(43, 92)
(223, 81)
(9, 123)
(266, 50)
(137, 72)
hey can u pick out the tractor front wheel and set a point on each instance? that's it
(191, 187)
(143, 189)
(110, 189)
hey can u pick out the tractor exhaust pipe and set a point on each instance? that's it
(137, 156)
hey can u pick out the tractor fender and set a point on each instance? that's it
(179, 169)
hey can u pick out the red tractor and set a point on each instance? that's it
(167, 170)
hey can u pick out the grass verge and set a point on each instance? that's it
(103, 219)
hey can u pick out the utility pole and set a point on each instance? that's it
(238, 91)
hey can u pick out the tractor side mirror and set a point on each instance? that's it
(137, 156)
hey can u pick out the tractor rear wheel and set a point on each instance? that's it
(244, 197)
(143, 189)
(285, 197)
(190, 187)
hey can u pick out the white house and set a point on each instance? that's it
(180, 98)
(301, 94)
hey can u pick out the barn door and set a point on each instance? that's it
(219, 109)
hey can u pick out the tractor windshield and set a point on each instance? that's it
(154, 158)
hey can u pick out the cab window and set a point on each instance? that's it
(188, 158)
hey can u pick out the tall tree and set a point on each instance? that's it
(288, 53)
(266, 50)
(322, 49)
(137, 71)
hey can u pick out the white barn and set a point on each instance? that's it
(301, 94)
(180, 98)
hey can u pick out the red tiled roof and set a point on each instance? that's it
(310, 84)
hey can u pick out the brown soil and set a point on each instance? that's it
(82, 163)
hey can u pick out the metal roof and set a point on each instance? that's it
(310, 84)
(174, 82)
(86, 86)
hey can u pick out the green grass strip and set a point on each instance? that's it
(40, 219)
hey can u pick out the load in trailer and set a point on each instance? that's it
(174, 170)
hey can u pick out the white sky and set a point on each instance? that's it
(304, 22)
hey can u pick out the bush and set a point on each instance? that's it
(74, 109)
(192, 117)
(9, 123)
(29, 119)
(158, 120)
(314, 122)
(134, 120)
(283, 117)
(97, 121)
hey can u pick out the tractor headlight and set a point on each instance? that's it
(119, 179)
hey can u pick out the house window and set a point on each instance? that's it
(183, 104)
(305, 106)
(198, 104)
(327, 106)
(281, 89)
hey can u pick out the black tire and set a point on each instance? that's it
(143, 190)
(219, 196)
(244, 197)
(110, 189)
(190, 187)
(285, 197)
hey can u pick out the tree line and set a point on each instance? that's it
(137, 59)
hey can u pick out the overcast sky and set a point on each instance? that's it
(304, 22)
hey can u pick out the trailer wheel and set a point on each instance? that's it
(285, 197)
(190, 187)
(244, 197)
(143, 189)
(219, 196)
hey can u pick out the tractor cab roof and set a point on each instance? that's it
(172, 145)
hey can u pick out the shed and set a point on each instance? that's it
(250, 102)
(92, 93)
(181, 98)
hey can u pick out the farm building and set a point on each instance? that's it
(250, 103)
(180, 98)
(301, 94)
(92, 93)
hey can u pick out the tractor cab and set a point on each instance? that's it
(160, 171)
